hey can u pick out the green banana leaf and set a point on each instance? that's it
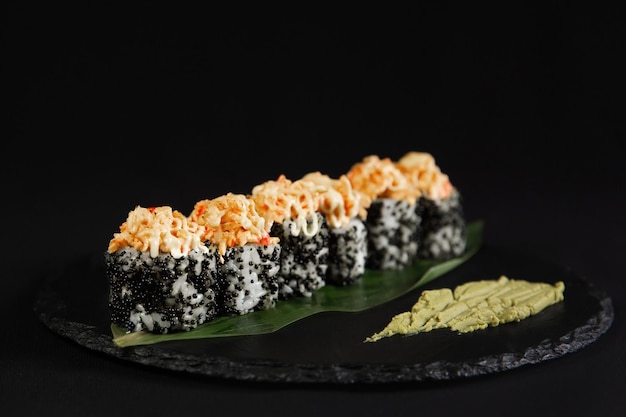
(374, 288)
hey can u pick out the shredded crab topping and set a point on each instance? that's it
(380, 178)
(231, 220)
(337, 201)
(158, 230)
(282, 199)
(422, 171)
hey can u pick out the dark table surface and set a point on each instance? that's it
(149, 106)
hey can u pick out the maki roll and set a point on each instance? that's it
(247, 257)
(443, 232)
(161, 276)
(291, 211)
(392, 219)
(344, 215)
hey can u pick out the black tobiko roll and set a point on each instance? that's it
(444, 228)
(443, 233)
(248, 279)
(161, 294)
(248, 258)
(343, 215)
(291, 208)
(304, 256)
(392, 228)
(392, 220)
(162, 278)
(347, 253)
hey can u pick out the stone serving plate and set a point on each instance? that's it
(330, 348)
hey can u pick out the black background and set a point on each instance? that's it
(110, 107)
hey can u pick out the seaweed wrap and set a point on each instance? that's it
(392, 220)
(443, 233)
(161, 276)
(345, 216)
(248, 259)
(291, 210)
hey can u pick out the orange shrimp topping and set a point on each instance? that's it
(231, 220)
(158, 230)
(338, 201)
(422, 171)
(374, 178)
(283, 199)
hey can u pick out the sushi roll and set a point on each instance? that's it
(443, 232)
(345, 216)
(161, 276)
(392, 219)
(248, 259)
(291, 210)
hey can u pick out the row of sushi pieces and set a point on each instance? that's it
(239, 253)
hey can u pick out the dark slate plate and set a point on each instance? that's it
(329, 347)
